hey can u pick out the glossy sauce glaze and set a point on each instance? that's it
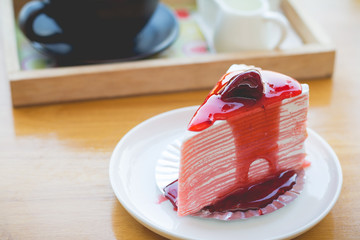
(255, 196)
(238, 91)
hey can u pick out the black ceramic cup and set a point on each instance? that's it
(85, 28)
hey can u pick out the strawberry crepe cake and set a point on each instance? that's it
(243, 154)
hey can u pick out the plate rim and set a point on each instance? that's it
(163, 232)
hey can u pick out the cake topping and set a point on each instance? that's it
(240, 90)
(246, 85)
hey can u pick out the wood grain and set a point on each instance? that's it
(54, 159)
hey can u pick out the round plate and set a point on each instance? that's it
(158, 34)
(132, 176)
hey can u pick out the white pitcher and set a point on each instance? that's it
(239, 25)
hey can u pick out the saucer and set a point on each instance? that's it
(133, 179)
(158, 34)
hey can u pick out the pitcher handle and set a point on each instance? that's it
(281, 21)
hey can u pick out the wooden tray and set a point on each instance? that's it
(314, 59)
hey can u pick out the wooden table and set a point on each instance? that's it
(54, 159)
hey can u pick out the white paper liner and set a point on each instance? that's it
(167, 171)
(167, 167)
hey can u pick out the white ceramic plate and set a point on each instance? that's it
(132, 176)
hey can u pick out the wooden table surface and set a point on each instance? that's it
(54, 159)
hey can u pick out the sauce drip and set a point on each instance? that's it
(255, 196)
